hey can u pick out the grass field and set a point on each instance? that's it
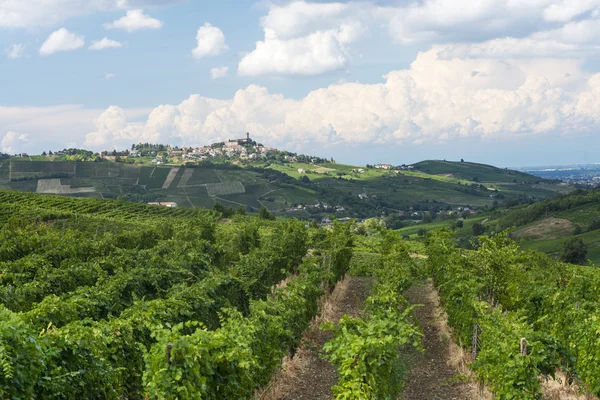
(469, 170)
(465, 231)
(554, 246)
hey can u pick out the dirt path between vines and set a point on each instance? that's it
(433, 374)
(308, 375)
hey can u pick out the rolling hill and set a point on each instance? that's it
(473, 171)
(542, 226)
(295, 189)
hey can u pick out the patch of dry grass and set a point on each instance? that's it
(548, 228)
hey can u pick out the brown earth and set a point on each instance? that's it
(308, 375)
(436, 373)
(548, 228)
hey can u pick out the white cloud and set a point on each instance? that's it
(302, 32)
(109, 76)
(105, 43)
(306, 39)
(12, 141)
(210, 40)
(133, 21)
(435, 100)
(44, 13)
(15, 51)
(219, 72)
(51, 128)
(61, 40)
(314, 54)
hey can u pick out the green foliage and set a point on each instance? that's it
(94, 286)
(508, 295)
(237, 358)
(365, 351)
(574, 251)
(478, 229)
(265, 214)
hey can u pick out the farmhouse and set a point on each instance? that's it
(301, 171)
(164, 204)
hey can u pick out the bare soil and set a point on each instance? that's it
(308, 375)
(433, 374)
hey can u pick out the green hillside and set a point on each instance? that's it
(542, 226)
(469, 171)
(301, 190)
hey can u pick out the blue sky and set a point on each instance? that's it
(504, 82)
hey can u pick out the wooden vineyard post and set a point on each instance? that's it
(474, 346)
(523, 347)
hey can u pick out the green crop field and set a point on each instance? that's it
(202, 176)
(225, 188)
(153, 177)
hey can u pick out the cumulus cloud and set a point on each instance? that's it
(210, 40)
(12, 141)
(321, 36)
(314, 54)
(219, 72)
(49, 128)
(305, 39)
(105, 43)
(61, 40)
(36, 13)
(15, 51)
(435, 100)
(134, 20)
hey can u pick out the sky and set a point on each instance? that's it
(510, 83)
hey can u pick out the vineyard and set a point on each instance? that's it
(524, 316)
(113, 300)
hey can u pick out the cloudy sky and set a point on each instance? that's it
(513, 83)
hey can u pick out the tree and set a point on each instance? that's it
(459, 223)
(305, 179)
(218, 207)
(427, 218)
(462, 160)
(265, 214)
(422, 232)
(574, 251)
(478, 229)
